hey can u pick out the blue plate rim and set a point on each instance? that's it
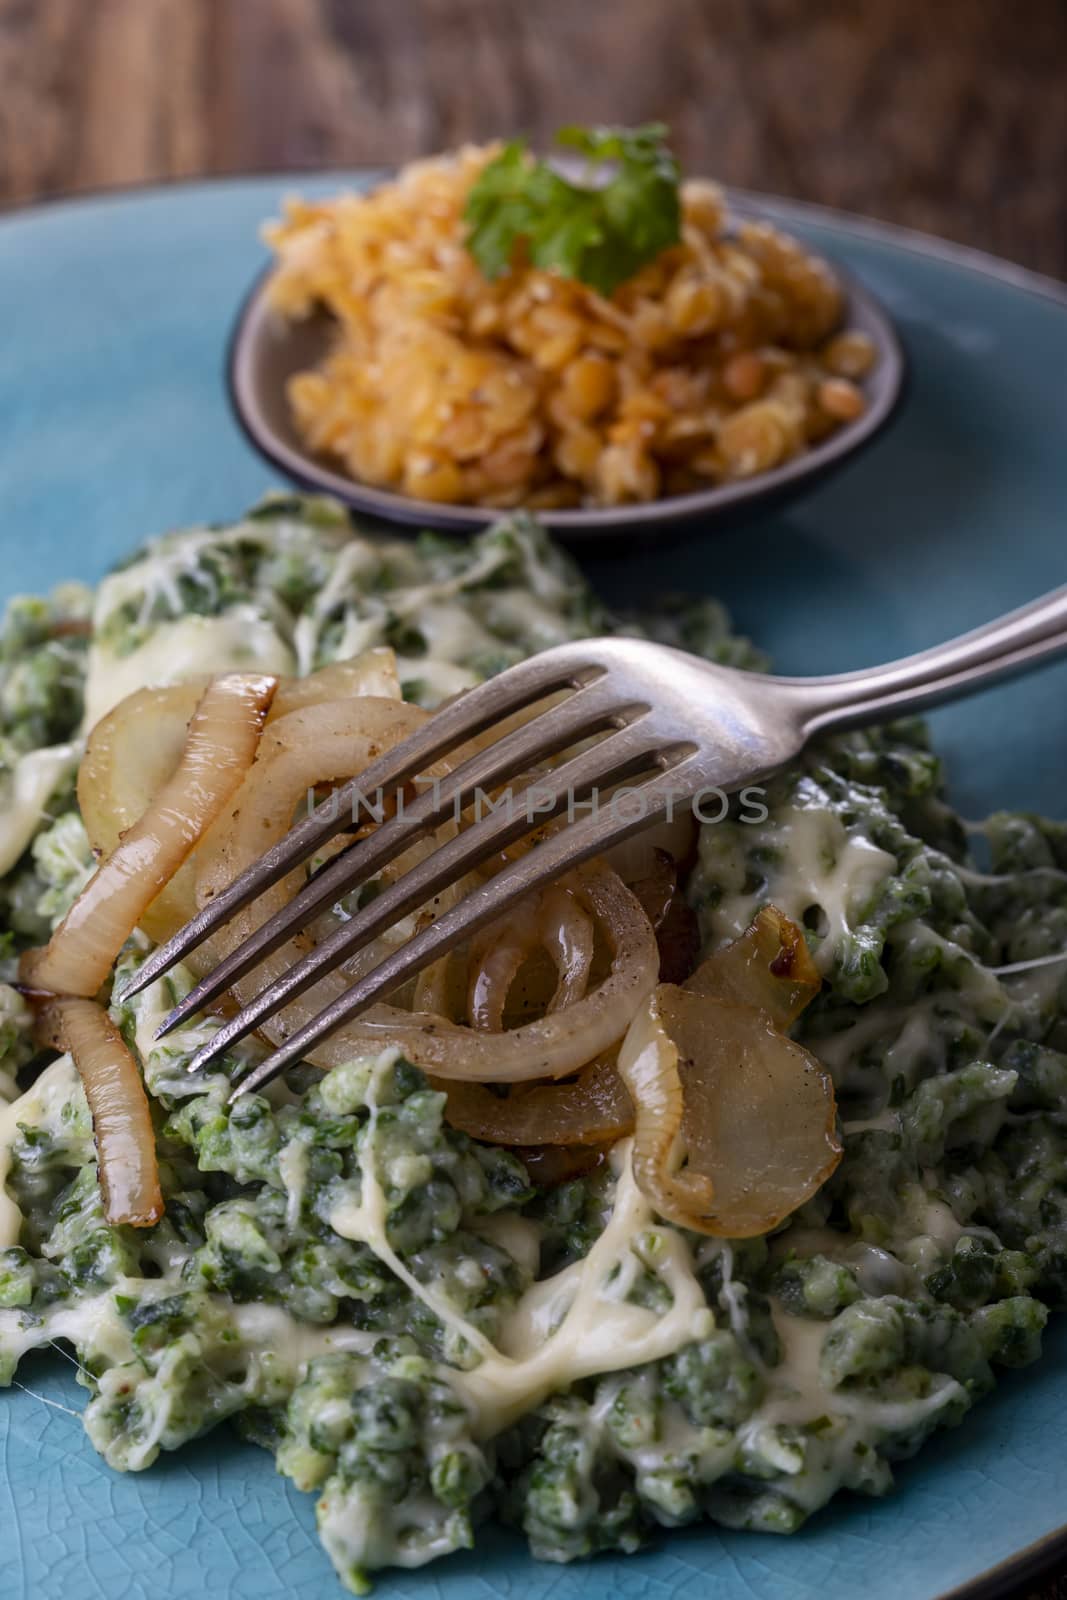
(1032, 1564)
(1035, 1560)
(919, 242)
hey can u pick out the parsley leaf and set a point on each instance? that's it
(600, 230)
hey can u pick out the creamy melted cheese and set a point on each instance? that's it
(733, 1293)
(822, 865)
(240, 640)
(798, 1393)
(266, 1333)
(187, 646)
(519, 1236)
(913, 1041)
(293, 1166)
(158, 571)
(517, 611)
(355, 568)
(267, 1327)
(447, 627)
(441, 678)
(34, 781)
(579, 1324)
(358, 1537)
(812, 839)
(163, 1060)
(885, 1122)
(55, 1088)
(570, 1326)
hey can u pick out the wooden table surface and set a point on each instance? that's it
(946, 115)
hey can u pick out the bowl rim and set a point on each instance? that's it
(720, 500)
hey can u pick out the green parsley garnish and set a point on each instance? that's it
(600, 230)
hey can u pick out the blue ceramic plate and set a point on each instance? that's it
(114, 424)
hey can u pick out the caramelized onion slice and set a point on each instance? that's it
(316, 745)
(769, 967)
(551, 1046)
(218, 751)
(758, 1110)
(640, 856)
(721, 1089)
(657, 886)
(122, 1122)
(549, 1165)
(133, 751)
(749, 1111)
(551, 924)
(664, 904)
(569, 938)
(372, 672)
(592, 1110)
(322, 744)
(130, 755)
(497, 956)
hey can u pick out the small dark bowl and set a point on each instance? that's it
(265, 351)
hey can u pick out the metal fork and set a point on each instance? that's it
(666, 727)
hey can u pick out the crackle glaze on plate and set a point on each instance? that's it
(114, 424)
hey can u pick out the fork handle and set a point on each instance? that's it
(1013, 643)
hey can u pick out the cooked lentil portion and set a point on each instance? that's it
(721, 358)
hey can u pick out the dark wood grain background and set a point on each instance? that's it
(947, 115)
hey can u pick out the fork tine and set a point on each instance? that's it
(565, 666)
(593, 708)
(559, 853)
(621, 755)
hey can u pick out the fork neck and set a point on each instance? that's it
(1012, 644)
